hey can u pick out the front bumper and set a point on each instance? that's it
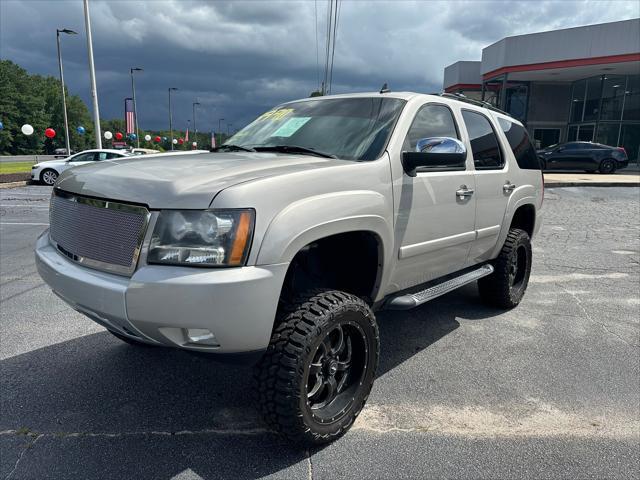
(158, 303)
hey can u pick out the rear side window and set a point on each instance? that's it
(520, 145)
(484, 143)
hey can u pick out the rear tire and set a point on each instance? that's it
(318, 370)
(48, 176)
(607, 166)
(505, 287)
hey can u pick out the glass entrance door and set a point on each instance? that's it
(581, 133)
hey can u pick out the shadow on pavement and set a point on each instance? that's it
(171, 411)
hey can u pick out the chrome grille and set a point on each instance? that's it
(97, 233)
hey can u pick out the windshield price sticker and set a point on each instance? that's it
(290, 127)
(275, 114)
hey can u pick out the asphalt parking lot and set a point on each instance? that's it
(550, 389)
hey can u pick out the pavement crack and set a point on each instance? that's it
(309, 465)
(208, 431)
(592, 320)
(24, 450)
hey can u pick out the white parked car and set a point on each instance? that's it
(48, 172)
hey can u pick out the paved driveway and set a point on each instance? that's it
(550, 389)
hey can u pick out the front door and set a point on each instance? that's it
(435, 222)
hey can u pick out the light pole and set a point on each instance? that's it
(229, 129)
(135, 108)
(220, 120)
(92, 74)
(64, 97)
(171, 116)
(195, 128)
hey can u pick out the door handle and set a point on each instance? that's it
(464, 192)
(508, 187)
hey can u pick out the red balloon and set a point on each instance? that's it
(118, 136)
(180, 141)
(157, 139)
(49, 133)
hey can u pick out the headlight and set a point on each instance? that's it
(212, 238)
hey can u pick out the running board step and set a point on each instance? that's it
(411, 300)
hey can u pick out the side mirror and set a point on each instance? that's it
(435, 153)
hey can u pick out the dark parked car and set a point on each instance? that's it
(583, 156)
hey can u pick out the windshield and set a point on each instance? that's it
(347, 128)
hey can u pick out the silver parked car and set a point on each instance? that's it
(282, 244)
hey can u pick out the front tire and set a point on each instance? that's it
(607, 166)
(505, 287)
(48, 176)
(319, 368)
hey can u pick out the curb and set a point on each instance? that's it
(13, 184)
(591, 184)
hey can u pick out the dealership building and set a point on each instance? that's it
(573, 84)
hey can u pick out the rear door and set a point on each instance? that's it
(492, 179)
(434, 223)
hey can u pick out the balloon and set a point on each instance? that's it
(147, 138)
(157, 139)
(195, 144)
(27, 129)
(108, 135)
(118, 136)
(1, 126)
(175, 141)
(164, 139)
(80, 130)
(133, 136)
(49, 133)
(181, 141)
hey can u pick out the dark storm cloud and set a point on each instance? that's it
(240, 58)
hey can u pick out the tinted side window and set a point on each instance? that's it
(84, 157)
(520, 145)
(111, 155)
(484, 144)
(430, 121)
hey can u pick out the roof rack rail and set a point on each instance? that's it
(477, 103)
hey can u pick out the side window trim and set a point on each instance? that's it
(503, 160)
(426, 169)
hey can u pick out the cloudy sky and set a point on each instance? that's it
(239, 58)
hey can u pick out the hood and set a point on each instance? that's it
(186, 181)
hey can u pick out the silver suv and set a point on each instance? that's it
(280, 246)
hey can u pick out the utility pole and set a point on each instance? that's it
(135, 108)
(220, 120)
(64, 97)
(92, 74)
(195, 128)
(171, 116)
(229, 129)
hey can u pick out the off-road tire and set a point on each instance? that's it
(130, 341)
(283, 374)
(502, 288)
(607, 166)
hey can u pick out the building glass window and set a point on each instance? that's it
(632, 99)
(630, 141)
(585, 133)
(608, 134)
(592, 100)
(545, 137)
(613, 89)
(577, 100)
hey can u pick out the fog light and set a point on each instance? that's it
(201, 336)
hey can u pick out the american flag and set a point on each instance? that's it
(129, 117)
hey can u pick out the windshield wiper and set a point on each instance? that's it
(293, 149)
(232, 148)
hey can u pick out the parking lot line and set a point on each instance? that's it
(23, 223)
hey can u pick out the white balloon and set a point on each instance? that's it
(195, 144)
(175, 141)
(108, 135)
(147, 137)
(27, 129)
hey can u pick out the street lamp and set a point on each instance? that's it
(220, 120)
(64, 98)
(171, 116)
(135, 108)
(92, 75)
(229, 129)
(195, 128)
